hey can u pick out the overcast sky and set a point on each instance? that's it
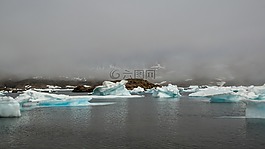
(191, 38)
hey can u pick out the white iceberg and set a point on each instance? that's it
(48, 90)
(211, 91)
(166, 91)
(258, 90)
(1, 93)
(235, 94)
(34, 98)
(9, 107)
(150, 91)
(110, 88)
(190, 89)
(225, 94)
(137, 90)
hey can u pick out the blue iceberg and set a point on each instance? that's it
(170, 91)
(226, 98)
(65, 103)
(32, 98)
(110, 88)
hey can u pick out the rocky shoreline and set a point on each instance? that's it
(77, 86)
(130, 85)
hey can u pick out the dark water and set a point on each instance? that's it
(135, 123)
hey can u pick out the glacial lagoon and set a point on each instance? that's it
(144, 122)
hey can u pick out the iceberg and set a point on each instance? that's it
(48, 90)
(137, 90)
(150, 91)
(33, 98)
(258, 90)
(110, 88)
(255, 108)
(65, 103)
(226, 98)
(211, 91)
(191, 89)
(166, 91)
(225, 94)
(9, 107)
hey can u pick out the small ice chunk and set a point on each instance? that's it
(53, 87)
(166, 91)
(137, 90)
(1, 93)
(110, 88)
(191, 89)
(9, 107)
(70, 86)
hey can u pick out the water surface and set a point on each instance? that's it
(135, 123)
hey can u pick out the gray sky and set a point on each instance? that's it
(191, 38)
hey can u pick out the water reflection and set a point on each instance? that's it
(255, 133)
(135, 123)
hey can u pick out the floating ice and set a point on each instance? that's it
(259, 90)
(110, 88)
(137, 90)
(211, 91)
(53, 87)
(223, 98)
(114, 96)
(65, 103)
(225, 94)
(150, 91)
(30, 98)
(166, 91)
(255, 108)
(34, 96)
(191, 89)
(70, 86)
(9, 107)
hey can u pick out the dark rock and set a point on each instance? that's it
(82, 88)
(134, 83)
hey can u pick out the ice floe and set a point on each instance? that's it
(9, 107)
(211, 91)
(110, 88)
(137, 90)
(34, 98)
(190, 89)
(166, 91)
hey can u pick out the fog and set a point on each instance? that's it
(88, 38)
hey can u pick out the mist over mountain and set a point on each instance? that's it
(198, 40)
